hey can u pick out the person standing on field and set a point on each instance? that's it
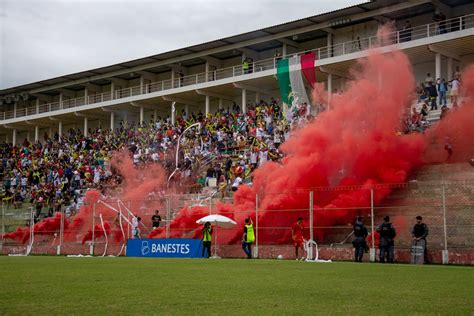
(387, 234)
(155, 220)
(297, 236)
(207, 239)
(248, 237)
(359, 242)
(419, 233)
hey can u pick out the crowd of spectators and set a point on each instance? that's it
(228, 146)
(431, 95)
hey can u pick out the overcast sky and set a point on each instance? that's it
(41, 39)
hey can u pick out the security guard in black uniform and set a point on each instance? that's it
(387, 234)
(359, 243)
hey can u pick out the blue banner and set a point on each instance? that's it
(164, 248)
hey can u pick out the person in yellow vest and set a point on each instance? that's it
(248, 237)
(207, 239)
(245, 66)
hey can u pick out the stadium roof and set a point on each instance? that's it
(364, 6)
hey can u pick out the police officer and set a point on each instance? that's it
(419, 233)
(248, 237)
(207, 239)
(387, 234)
(359, 243)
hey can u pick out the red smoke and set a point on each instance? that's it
(48, 226)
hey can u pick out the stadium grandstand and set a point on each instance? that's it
(58, 135)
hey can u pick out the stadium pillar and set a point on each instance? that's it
(329, 87)
(257, 97)
(438, 66)
(142, 115)
(86, 96)
(220, 104)
(112, 90)
(14, 109)
(186, 109)
(173, 111)
(112, 123)
(207, 71)
(36, 133)
(449, 77)
(37, 106)
(372, 226)
(85, 126)
(61, 100)
(172, 78)
(284, 49)
(445, 252)
(244, 100)
(60, 130)
(329, 44)
(208, 104)
(14, 137)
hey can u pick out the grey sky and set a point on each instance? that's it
(41, 39)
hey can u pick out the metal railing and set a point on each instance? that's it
(361, 44)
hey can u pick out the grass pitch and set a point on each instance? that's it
(140, 286)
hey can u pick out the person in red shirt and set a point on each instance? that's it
(297, 235)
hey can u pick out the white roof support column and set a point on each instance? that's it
(329, 87)
(173, 113)
(284, 50)
(36, 133)
(14, 137)
(14, 109)
(112, 121)
(155, 114)
(61, 100)
(220, 104)
(186, 109)
(449, 76)
(437, 66)
(257, 97)
(60, 130)
(112, 90)
(206, 70)
(37, 106)
(208, 105)
(172, 78)
(142, 115)
(86, 127)
(86, 96)
(244, 100)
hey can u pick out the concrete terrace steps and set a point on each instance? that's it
(445, 172)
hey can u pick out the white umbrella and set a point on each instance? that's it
(217, 220)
